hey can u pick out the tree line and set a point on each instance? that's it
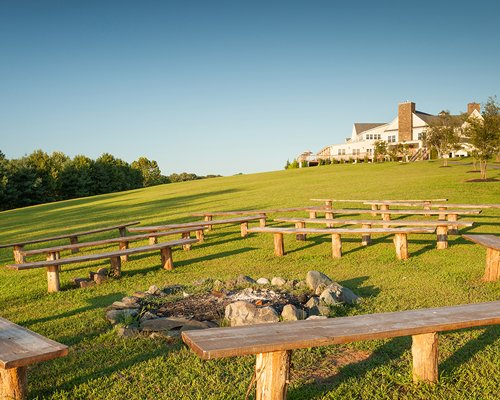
(41, 177)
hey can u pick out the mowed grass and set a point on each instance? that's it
(102, 366)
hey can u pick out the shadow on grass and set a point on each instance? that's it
(355, 284)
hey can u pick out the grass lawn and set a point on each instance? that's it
(102, 366)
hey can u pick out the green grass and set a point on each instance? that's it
(102, 366)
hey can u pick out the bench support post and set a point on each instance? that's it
(401, 244)
(366, 239)
(386, 217)
(272, 372)
(208, 218)
(300, 225)
(123, 246)
(328, 204)
(123, 231)
(200, 235)
(312, 214)
(14, 383)
(244, 229)
(186, 235)
(53, 282)
(454, 228)
(116, 266)
(279, 246)
(427, 206)
(442, 237)
(492, 271)
(152, 240)
(442, 217)
(262, 221)
(374, 210)
(18, 255)
(424, 349)
(74, 240)
(166, 258)
(336, 245)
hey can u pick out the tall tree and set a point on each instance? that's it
(444, 134)
(380, 150)
(150, 171)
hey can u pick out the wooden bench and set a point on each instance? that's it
(208, 216)
(114, 257)
(273, 343)
(492, 244)
(400, 237)
(243, 221)
(442, 227)
(386, 205)
(423, 202)
(73, 239)
(20, 347)
(53, 253)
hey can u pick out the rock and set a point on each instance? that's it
(87, 283)
(336, 293)
(171, 289)
(312, 302)
(245, 313)
(102, 271)
(153, 289)
(263, 281)
(316, 317)
(315, 278)
(265, 315)
(77, 281)
(330, 297)
(290, 284)
(184, 294)
(199, 282)
(319, 310)
(99, 279)
(116, 316)
(140, 295)
(193, 325)
(147, 315)
(130, 300)
(320, 289)
(127, 331)
(348, 296)
(119, 305)
(278, 281)
(244, 280)
(301, 285)
(292, 313)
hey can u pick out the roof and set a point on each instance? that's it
(361, 127)
(427, 118)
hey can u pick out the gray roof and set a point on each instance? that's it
(361, 127)
(428, 118)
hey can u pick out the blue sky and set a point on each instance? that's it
(229, 87)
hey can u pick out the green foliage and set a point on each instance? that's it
(287, 165)
(443, 134)
(150, 171)
(294, 164)
(380, 150)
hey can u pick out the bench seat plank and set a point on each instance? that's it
(20, 347)
(489, 241)
(342, 231)
(398, 212)
(283, 336)
(379, 201)
(393, 222)
(432, 205)
(244, 212)
(492, 244)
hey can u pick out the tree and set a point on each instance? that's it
(443, 134)
(484, 134)
(76, 178)
(380, 150)
(287, 165)
(150, 171)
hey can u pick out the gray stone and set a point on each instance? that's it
(119, 305)
(87, 283)
(263, 281)
(320, 289)
(115, 316)
(265, 315)
(278, 281)
(292, 313)
(140, 295)
(153, 289)
(193, 325)
(330, 297)
(148, 315)
(102, 271)
(312, 302)
(316, 317)
(240, 313)
(100, 279)
(315, 278)
(319, 310)
(243, 280)
(130, 300)
(336, 293)
(171, 289)
(348, 296)
(127, 331)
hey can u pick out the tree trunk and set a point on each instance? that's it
(482, 165)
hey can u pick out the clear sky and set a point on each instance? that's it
(231, 86)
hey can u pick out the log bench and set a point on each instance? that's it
(20, 347)
(53, 265)
(243, 221)
(400, 237)
(441, 206)
(442, 227)
(422, 202)
(273, 343)
(123, 243)
(492, 244)
(18, 247)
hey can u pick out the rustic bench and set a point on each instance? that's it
(123, 242)
(243, 221)
(273, 343)
(400, 237)
(386, 205)
(442, 227)
(73, 238)
(20, 347)
(492, 244)
(423, 202)
(53, 264)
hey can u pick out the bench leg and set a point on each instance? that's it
(312, 214)
(300, 225)
(366, 239)
(53, 279)
(454, 228)
(442, 237)
(244, 229)
(186, 235)
(18, 255)
(152, 240)
(492, 271)
(279, 246)
(424, 350)
(374, 210)
(166, 258)
(329, 204)
(200, 235)
(122, 231)
(401, 244)
(262, 222)
(123, 246)
(116, 266)
(442, 217)
(14, 383)
(208, 218)
(386, 217)
(272, 372)
(74, 240)
(329, 215)
(336, 245)
(427, 207)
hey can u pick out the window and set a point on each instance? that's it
(391, 138)
(339, 152)
(343, 151)
(421, 136)
(377, 136)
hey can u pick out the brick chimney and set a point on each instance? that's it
(405, 121)
(473, 106)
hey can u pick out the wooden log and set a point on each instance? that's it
(14, 383)
(18, 256)
(166, 258)
(401, 244)
(374, 208)
(453, 230)
(384, 206)
(200, 235)
(312, 214)
(427, 206)
(442, 237)
(74, 240)
(366, 238)
(424, 350)
(186, 235)
(279, 246)
(442, 217)
(386, 217)
(123, 246)
(328, 204)
(116, 266)
(336, 245)
(244, 229)
(272, 372)
(53, 283)
(153, 240)
(262, 221)
(492, 271)
(208, 218)
(300, 236)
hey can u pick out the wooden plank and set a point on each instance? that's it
(490, 241)
(93, 257)
(20, 346)
(251, 212)
(378, 201)
(435, 205)
(68, 235)
(394, 222)
(283, 336)
(342, 231)
(400, 212)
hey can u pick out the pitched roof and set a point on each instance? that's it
(361, 127)
(427, 118)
